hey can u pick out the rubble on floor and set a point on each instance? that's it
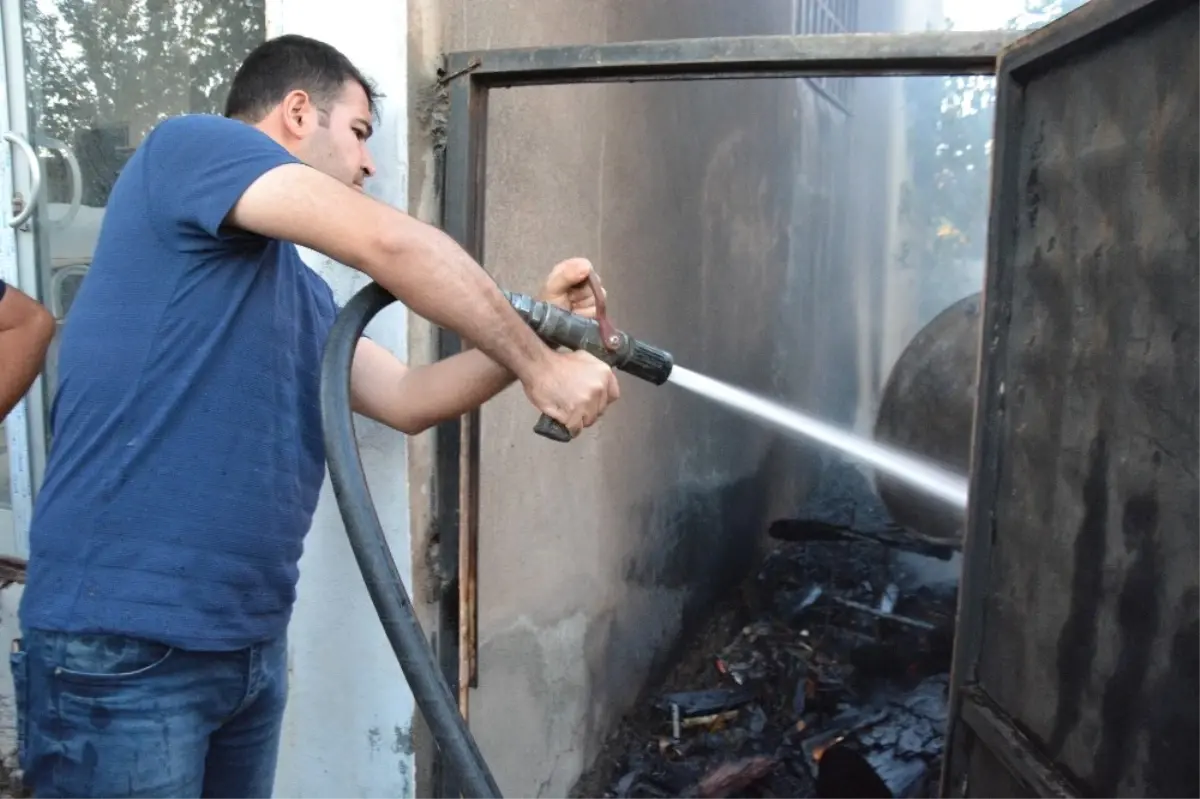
(823, 678)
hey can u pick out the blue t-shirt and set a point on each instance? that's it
(187, 455)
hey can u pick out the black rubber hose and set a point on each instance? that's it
(387, 590)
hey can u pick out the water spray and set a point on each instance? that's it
(560, 328)
(928, 477)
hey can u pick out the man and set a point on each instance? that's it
(187, 455)
(26, 329)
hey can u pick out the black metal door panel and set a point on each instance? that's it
(1077, 664)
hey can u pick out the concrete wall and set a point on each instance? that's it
(610, 546)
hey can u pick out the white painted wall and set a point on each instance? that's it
(348, 728)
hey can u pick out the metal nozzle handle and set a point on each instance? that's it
(552, 429)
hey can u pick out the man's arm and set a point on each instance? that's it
(413, 400)
(429, 272)
(26, 329)
(416, 262)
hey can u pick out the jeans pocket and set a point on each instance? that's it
(18, 663)
(94, 659)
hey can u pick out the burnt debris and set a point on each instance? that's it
(824, 678)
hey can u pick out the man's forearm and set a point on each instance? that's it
(22, 353)
(428, 395)
(487, 319)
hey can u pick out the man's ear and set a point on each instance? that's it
(299, 114)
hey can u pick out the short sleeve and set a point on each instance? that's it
(199, 165)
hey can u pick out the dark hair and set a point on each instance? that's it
(286, 63)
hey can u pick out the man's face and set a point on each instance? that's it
(338, 144)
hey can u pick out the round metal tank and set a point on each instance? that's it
(926, 410)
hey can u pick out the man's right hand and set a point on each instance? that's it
(574, 388)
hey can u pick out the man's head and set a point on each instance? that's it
(308, 97)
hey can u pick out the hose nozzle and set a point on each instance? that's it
(560, 328)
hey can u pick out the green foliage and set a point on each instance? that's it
(101, 73)
(950, 143)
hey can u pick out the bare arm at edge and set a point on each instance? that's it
(26, 329)
(416, 262)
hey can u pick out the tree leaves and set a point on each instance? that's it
(102, 73)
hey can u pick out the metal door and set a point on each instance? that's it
(1077, 656)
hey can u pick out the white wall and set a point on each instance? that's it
(348, 729)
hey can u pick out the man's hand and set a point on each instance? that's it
(413, 400)
(567, 287)
(574, 388)
(596, 388)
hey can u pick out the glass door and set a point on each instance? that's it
(86, 80)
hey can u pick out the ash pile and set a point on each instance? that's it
(824, 678)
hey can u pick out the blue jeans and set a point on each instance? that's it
(107, 715)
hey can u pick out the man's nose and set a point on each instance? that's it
(368, 166)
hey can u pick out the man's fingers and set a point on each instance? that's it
(599, 392)
(589, 415)
(573, 271)
(609, 393)
(583, 294)
(598, 405)
(614, 386)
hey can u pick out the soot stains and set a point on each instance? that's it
(1077, 641)
(1174, 739)
(1122, 711)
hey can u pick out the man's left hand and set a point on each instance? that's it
(568, 287)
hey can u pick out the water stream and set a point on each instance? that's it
(922, 475)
